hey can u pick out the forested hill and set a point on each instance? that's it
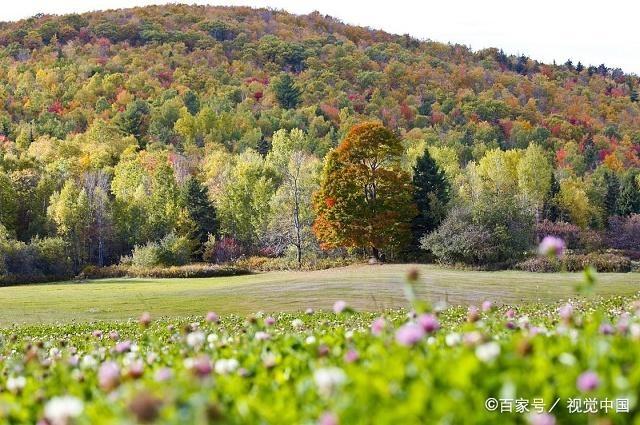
(122, 128)
(60, 73)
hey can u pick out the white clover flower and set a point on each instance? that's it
(226, 366)
(310, 340)
(634, 331)
(328, 380)
(262, 336)
(297, 323)
(567, 359)
(211, 338)
(129, 358)
(16, 384)
(188, 363)
(88, 362)
(488, 352)
(453, 339)
(269, 360)
(61, 410)
(195, 339)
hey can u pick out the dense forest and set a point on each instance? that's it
(173, 134)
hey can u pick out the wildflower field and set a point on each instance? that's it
(569, 362)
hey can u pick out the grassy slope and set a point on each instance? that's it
(364, 287)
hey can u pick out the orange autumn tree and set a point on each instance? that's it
(365, 198)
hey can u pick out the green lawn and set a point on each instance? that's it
(362, 286)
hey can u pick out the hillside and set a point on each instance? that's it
(105, 118)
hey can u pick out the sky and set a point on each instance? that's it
(589, 31)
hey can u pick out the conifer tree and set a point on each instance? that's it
(200, 211)
(431, 194)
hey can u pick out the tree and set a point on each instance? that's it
(263, 147)
(192, 102)
(286, 91)
(69, 210)
(96, 186)
(147, 198)
(534, 177)
(551, 210)
(243, 203)
(8, 204)
(612, 192)
(200, 210)
(629, 198)
(292, 213)
(134, 120)
(431, 194)
(365, 199)
(574, 203)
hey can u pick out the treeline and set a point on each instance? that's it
(171, 134)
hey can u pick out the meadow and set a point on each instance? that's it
(366, 288)
(566, 363)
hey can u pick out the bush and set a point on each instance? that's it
(256, 263)
(186, 271)
(488, 239)
(52, 256)
(39, 261)
(574, 236)
(458, 240)
(606, 262)
(222, 250)
(624, 232)
(172, 250)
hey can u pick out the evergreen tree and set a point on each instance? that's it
(287, 93)
(629, 199)
(612, 186)
(134, 120)
(200, 211)
(192, 102)
(431, 194)
(550, 209)
(263, 147)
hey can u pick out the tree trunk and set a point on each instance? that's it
(375, 252)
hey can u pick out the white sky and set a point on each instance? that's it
(591, 31)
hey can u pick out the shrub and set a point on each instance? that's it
(458, 240)
(144, 256)
(624, 232)
(255, 263)
(607, 262)
(487, 239)
(573, 236)
(52, 256)
(186, 271)
(222, 250)
(540, 264)
(38, 261)
(172, 250)
(568, 232)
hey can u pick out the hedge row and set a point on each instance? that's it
(606, 262)
(186, 271)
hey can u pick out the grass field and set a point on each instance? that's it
(362, 286)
